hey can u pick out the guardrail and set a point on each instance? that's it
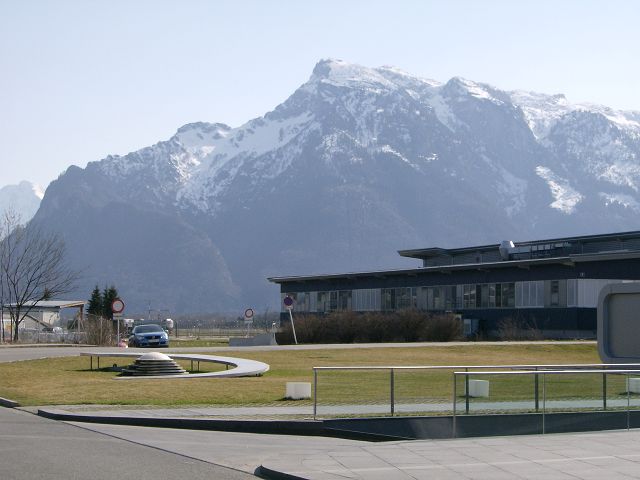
(470, 370)
(544, 374)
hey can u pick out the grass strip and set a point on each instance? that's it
(69, 381)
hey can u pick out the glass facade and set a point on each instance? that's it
(530, 294)
(398, 299)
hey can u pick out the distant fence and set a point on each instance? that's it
(32, 335)
(100, 331)
(214, 332)
(215, 328)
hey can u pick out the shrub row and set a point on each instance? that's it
(350, 327)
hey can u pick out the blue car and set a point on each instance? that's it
(148, 336)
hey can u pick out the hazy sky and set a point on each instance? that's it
(83, 79)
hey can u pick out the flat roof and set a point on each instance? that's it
(422, 253)
(52, 304)
(569, 260)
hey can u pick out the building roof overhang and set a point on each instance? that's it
(567, 261)
(51, 304)
(425, 253)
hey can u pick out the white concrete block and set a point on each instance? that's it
(298, 390)
(478, 388)
(633, 385)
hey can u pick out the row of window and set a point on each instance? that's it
(534, 294)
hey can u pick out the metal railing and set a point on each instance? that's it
(544, 373)
(470, 370)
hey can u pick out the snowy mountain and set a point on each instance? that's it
(356, 164)
(23, 199)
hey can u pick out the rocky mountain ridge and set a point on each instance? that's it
(356, 164)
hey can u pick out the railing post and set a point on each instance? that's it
(536, 394)
(315, 393)
(544, 402)
(604, 391)
(466, 392)
(392, 388)
(628, 403)
(453, 423)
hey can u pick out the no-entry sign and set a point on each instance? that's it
(117, 306)
(288, 302)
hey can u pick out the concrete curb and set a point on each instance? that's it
(278, 427)
(5, 402)
(316, 428)
(269, 474)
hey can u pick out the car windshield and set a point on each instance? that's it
(147, 329)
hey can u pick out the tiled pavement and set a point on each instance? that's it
(599, 455)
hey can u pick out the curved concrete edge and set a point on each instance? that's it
(5, 402)
(242, 366)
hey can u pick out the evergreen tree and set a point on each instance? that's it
(95, 302)
(108, 296)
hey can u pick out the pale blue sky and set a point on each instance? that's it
(83, 79)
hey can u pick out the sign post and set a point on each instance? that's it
(117, 307)
(288, 304)
(248, 319)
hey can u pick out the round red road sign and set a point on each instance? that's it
(117, 306)
(288, 302)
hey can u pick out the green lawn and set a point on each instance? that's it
(70, 381)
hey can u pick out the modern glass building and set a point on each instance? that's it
(550, 285)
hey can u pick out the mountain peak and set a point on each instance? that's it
(343, 74)
(324, 66)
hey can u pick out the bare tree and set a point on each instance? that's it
(32, 267)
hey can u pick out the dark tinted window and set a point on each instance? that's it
(147, 329)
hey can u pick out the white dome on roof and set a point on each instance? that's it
(154, 356)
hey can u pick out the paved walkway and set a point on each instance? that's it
(610, 455)
(602, 455)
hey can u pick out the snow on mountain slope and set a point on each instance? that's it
(357, 163)
(626, 201)
(226, 157)
(565, 197)
(389, 111)
(544, 111)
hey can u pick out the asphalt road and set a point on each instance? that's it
(35, 448)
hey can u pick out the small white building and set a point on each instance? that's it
(44, 314)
